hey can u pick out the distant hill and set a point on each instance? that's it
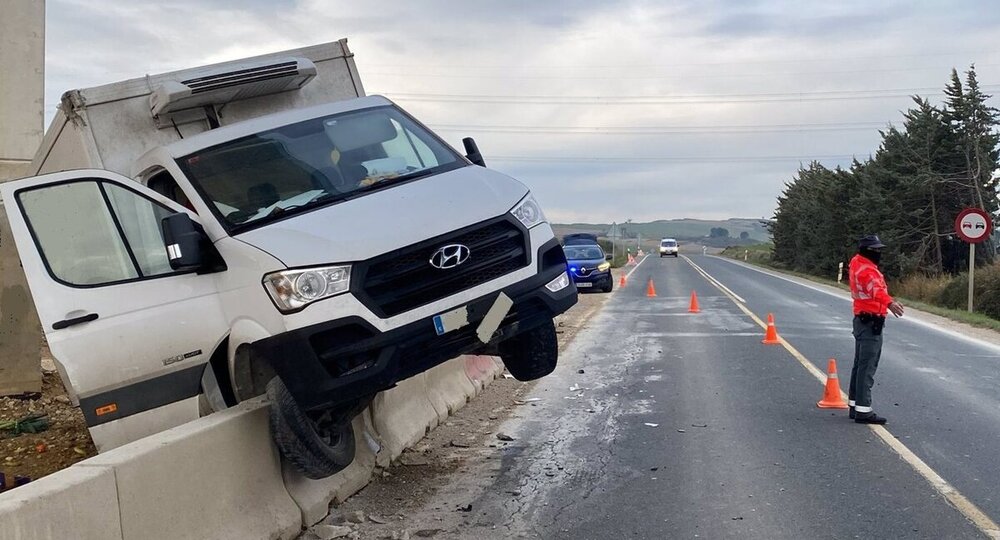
(681, 229)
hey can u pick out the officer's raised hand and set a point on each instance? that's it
(896, 308)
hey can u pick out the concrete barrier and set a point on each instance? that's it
(482, 370)
(75, 503)
(448, 387)
(315, 496)
(401, 417)
(221, 477)
(217, 477)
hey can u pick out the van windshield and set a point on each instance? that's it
(668, 243)
(269, 175)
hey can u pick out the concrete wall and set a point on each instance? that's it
(22, 82)
(22, 117)
(221, 477)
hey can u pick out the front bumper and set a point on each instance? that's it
(337, 362)
(594, 279)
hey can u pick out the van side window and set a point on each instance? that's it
(164, 184)
(93, 233)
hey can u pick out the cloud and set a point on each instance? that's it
(716, 69)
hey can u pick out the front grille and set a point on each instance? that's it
(404, 280)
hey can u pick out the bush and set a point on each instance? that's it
(986, 296)
(927, 289)
(988, 291)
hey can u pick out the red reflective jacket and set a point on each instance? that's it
(868, 288)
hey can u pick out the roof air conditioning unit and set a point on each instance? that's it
(243, 82)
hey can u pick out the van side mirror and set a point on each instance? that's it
(183, 241)
(608, 257)
(472, 151)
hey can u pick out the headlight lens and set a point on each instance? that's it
(293, 290)
(603, 267)
(528, 212)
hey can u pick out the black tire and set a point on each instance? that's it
(533, 354)
(316, 445)
(677, 255)
(609, 286)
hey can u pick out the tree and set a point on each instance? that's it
(939, 161)
(718, 232)
(744, 235)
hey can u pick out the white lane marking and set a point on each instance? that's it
(847, 298)
(968, 509)
(628, 275)
(713, 280)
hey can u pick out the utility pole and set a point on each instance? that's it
(22, 117)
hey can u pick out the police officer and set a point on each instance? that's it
(871, 304)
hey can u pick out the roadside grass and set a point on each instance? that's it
(910, 292)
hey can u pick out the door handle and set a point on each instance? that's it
(66, 323)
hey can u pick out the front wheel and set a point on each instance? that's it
(317, 444)
(533, 354)
(609, 285)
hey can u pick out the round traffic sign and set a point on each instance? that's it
(973, 225)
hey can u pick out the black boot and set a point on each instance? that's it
(868, 418)
(850, 412)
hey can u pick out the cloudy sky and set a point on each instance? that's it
(606, 109)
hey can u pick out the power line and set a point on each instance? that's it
(510, 76)
(966, 54)
(826, 95)
(669, 159)
(664, 130)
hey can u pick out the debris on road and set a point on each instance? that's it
(330, 532)
(650, 424)
(681, 431)
(458, 444)
(580, 371)
(466, 508)
(413, 460)
(356, 516)
(504, 437)
(699, 425)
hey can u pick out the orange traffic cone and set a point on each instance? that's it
(694, 304)
(650, 290)
(621, 282)
(832, 397)
(771, 336)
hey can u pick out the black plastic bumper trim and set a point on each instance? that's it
(402, 352)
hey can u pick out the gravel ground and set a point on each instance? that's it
(388, 506)
(65, 442)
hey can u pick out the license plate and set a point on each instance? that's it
(584, 284)
(451, 320)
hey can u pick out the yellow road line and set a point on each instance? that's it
(946, 490)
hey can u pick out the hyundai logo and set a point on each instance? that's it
(450, 256)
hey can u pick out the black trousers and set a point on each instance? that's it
(867, 352)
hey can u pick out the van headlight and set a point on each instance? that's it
(293, 290)
(603, 267)
(528, 212)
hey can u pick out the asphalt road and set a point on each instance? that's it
(686, 426)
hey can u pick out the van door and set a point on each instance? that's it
(130, 335)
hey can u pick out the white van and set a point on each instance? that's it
(320, 253)
(668, 246)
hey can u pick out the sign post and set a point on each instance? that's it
(973, 225)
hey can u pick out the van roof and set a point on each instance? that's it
(223, 134)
